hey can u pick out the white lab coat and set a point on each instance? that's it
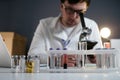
(49, 34)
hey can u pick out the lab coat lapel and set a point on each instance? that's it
(56, 34)
(60, 33)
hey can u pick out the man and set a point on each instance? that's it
(63, 31)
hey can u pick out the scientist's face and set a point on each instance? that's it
(70, 13)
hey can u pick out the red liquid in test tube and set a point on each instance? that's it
(65, 61)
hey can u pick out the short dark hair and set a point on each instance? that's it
(76, 1)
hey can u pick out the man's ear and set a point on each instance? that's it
(61, 6)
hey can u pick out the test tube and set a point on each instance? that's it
(22, 63)
(65, 59)
(58, 59)
(78, 61)
(52, 60)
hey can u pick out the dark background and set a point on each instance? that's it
(22, 16)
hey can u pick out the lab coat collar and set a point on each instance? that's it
(58, 31)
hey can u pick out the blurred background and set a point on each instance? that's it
(22, 16)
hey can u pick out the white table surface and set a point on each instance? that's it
(5, 74)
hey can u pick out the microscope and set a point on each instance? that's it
(84, 43)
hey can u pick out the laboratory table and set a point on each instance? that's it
(6, 74)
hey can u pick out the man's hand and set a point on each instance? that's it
(70, 60)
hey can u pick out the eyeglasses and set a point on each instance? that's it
(70, 10)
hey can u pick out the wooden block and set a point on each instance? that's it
(15, 43)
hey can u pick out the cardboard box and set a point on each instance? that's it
(15, 43)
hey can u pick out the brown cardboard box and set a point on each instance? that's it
(15, 43)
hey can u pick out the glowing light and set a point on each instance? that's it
(105, 32)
